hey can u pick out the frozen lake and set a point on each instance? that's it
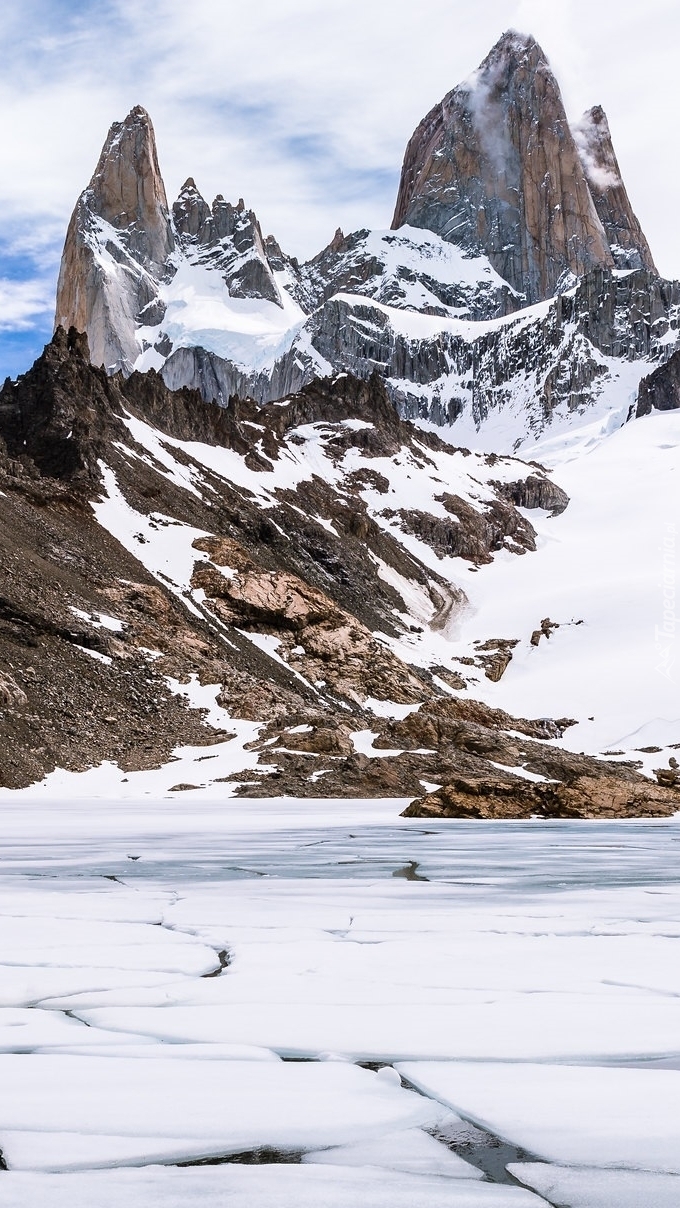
(281, 1003)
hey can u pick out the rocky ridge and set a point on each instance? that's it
(151, 542)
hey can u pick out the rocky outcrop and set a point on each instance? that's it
(494, 168)
(226, 238)
(535, 491)
(55, 417)
(323, 643)
(599, 795)
(118, 246)
(661, 390)
(625, 236)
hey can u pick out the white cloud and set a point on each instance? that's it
(24, 303)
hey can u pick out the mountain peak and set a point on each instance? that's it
(624, 233)
(124, 211)
(494, 168)
(515, 43)
(127, 188)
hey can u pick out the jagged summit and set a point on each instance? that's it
(494, 168)
(227, 238)
(127, 188)
(624, 234)
(118, 245)
(518, 46)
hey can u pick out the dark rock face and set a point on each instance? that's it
(494, 167)
(625, 236)
(55, 416)
(536, 491)
(661, 390)
(401, 270)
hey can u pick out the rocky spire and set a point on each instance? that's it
(191, 212)
(494, 168)
(226, 238)
(624, 233)
(124, 214)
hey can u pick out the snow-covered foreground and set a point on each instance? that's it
(179, 987)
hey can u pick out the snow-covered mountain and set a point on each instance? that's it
(401, 518)
(515, 292)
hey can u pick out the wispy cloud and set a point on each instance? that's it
(25, 303)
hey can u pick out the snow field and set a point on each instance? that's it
(528, 982)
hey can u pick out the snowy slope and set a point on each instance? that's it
(597, 572)
(200, 312)
(606, 572)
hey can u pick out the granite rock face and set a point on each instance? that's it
(494, 167)
(118, 246)
(661, 390)
(625, 236)
(124, 247)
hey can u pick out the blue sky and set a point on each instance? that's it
(302, 107)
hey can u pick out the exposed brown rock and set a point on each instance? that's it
(494, 168)
(504, 796)
(544, 631)
(626, 239)
(495, 655)
(11, 695)
(326, 645)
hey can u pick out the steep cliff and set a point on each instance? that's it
(625, 236)
(118, 246)
(494, 167)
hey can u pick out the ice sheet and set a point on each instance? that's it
(255, 1187)
(413, 1152)
(575, 1115)
(590, 1188)
(225, 1106)
(514, 940)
